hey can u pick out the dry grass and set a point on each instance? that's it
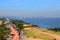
(35, 33)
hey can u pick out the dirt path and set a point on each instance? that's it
(34, 39)
(51, 35)
(14, 33)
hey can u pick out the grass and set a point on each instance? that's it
(49, 31)
(37, 35)
(28, 33)
(57, 33)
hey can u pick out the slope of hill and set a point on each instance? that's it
(40, 34)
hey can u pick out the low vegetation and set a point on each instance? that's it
(4, 31)
(35, 34)
(18, 23)
(54, 29)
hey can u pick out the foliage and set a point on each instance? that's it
(4, 31)
(35, 25)
(19, 24)
(54, 29)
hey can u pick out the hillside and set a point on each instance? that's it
(35, 33)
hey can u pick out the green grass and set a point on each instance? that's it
(28, 33)
(37, 35)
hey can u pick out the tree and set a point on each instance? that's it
(4, 31)
(18, 23)
(54, 29)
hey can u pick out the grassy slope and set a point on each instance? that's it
(49, 31)
(37, 34)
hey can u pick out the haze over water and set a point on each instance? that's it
(49, 9)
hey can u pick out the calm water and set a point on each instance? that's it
(44, 22)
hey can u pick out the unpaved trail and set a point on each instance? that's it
(14, 33)
(16, 36)
(51, 35)
(34, 39)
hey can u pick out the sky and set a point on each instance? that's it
(30, 8)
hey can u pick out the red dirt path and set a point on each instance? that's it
(14, 32)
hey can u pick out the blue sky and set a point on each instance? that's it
(30, 8)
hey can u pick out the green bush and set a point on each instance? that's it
(4, 31)
(18, 23)
(54, 29)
